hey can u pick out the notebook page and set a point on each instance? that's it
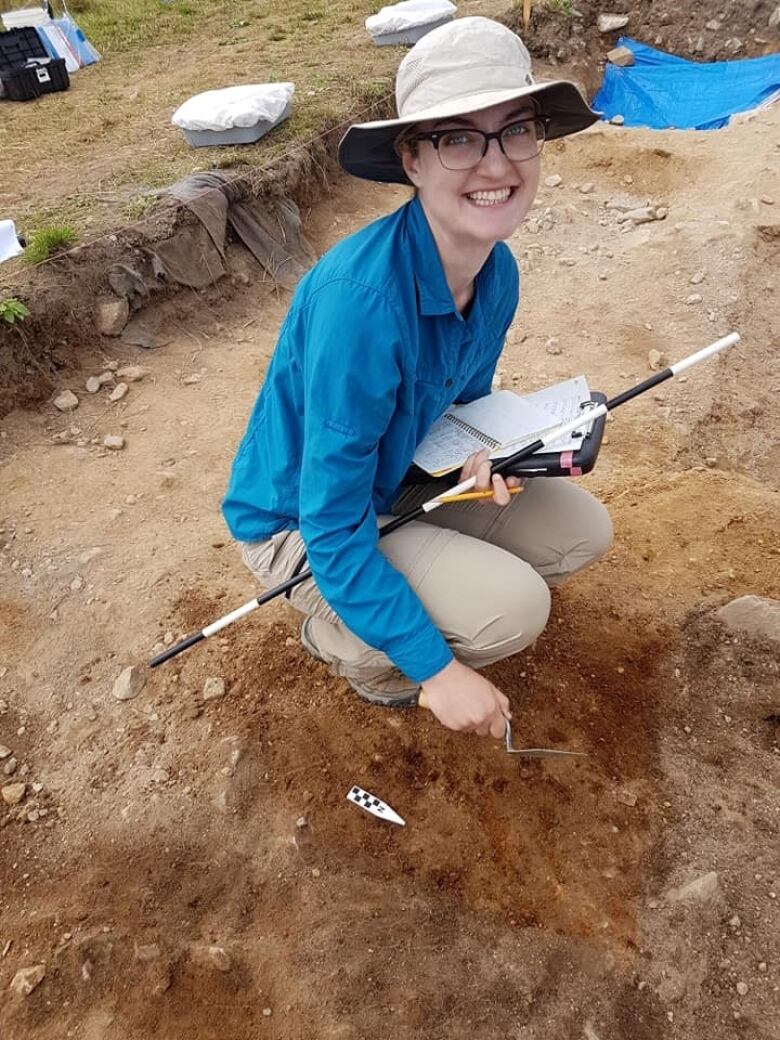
(562, 402)
(489, 422)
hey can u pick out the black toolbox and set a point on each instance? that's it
(26, 70)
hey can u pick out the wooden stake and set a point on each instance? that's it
(526, 12)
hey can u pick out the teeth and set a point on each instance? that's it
(490, 198)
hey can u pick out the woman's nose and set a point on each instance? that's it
(494, 158)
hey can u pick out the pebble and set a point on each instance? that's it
(315, 872)
(587, 187)
(114, 441)
(5, 752)
(617, 120)
(92, 385)
(213, 687)
(267, 1012)
(301, 822)
(621, 56)
(553, 346)
(191, 380)
(611, 22)
(694, 298)
(743, 989)
(129, 683)
(118, 392)
(767, 200)
(26, 979)
(626, 798)
(700, 890)
(642, 215)
(66, 401)
(698, 277)
(656, 360)
(132, 373)
(77, 584)
(10, 766)
(12, 794)
(553, 181)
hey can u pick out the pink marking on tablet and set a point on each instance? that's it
(566, 460)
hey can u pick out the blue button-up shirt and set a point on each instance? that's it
(372, 351)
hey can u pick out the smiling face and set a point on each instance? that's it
(482, 205)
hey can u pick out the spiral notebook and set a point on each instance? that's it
(501, 422)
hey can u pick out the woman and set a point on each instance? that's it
(391, 327)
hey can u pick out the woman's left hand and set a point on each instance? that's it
(478, 465)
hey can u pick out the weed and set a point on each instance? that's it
(564, 7)
(12, 310)
(48, 240)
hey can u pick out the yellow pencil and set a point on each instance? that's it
(471, 496)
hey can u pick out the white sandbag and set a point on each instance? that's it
(409, 14)
(9, 242)
(231, 107)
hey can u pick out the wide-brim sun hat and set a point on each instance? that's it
(465, 66)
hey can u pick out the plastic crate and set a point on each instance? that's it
(18, 46)
(40, 76)
(235, 135)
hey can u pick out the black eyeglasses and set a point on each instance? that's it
(465, 148)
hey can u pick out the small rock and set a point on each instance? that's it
(147, 952)
(617, 120)
(315, 872)
(13, 793)
(642, 215)
(118, 392)
(66, 401)
(139, 335)
(129, 683)
(621, 56)
(5, 752)
(114, 441)
(743, 989)
(213, 687)
(26, 979)
(626, 797)
(735, 922)
(753, 616)
(767, 200)
(774, 18)
(698, 277)
(693, 299)
(656, 360)
(133, 373)
(713, 25)
(612, 22)
(191, 380)
(553, 181)
(587, 187)
(9, 767)
(553, 346)
(213, 957)
(77, 584)
(301, 823)
(267, 1012)
(92, 385)
(700, 890)
(111, 316)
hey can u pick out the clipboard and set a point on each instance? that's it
(574, 463)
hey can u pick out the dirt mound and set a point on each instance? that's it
(713, 30)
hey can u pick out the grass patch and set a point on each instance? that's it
(47, 241)
(116, 25)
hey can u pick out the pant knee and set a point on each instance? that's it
(518, 614)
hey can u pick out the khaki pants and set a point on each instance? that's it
(482, 572)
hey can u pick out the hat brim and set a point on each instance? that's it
(368, 149)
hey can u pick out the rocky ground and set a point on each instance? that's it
(178, 858)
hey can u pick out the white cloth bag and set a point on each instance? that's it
(409, 14)
(232, 107)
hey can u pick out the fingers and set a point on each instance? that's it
(501, 494)
(503, 703)
(512, 482)
(498, 726)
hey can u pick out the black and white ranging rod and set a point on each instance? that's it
(502, 466)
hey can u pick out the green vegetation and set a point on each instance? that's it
(47, 241)
(12, 310)
(114, 25)
(564, 7)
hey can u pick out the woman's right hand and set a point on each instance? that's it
(463, 700)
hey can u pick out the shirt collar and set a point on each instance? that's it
(433, 293)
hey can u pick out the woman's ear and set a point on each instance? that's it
(411, 164)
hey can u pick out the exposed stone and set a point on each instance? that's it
(701, 890)
(698, 277)
(139, 335)
(753, 616)
(26, 979)
(212, 956)
(621, 56)
(118, 392)
(13, 793)
(553, 181)
(617, 120)
(126, 282)
(147, 952)
(129, 683)
(693, 299)
(612, 22)
(92, 385)
(656, 360)
(626, 797)
(9, 766)
(65, 401)
(642, 215)
(5, 752)
(213, 687)
(553, 346)
(743, 989)
(774, 18)
(114, 441)
(111, 315)
(587, 187)
(132, 373)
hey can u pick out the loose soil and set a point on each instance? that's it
(522, 900)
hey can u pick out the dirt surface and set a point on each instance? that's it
(711, 30)
(522, 900)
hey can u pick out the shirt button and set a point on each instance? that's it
(448, 382)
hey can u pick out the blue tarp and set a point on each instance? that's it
(663, 91)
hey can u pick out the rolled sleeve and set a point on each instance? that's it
(352, 371)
